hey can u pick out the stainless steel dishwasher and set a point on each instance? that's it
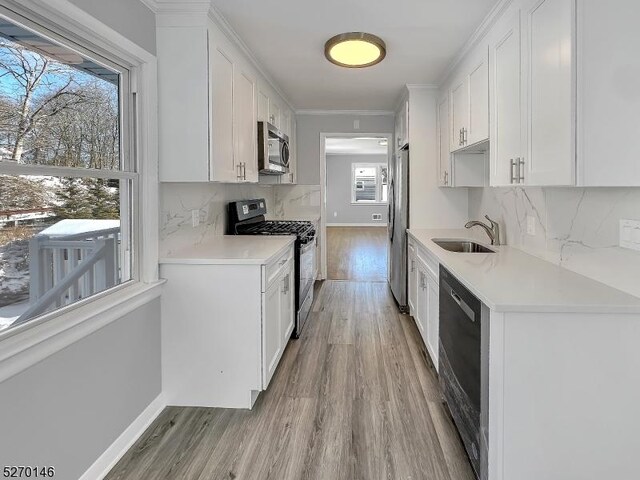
(461, 364)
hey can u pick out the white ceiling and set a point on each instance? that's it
(287, 37)
(355, 146)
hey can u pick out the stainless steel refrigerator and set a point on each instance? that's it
(398, 224)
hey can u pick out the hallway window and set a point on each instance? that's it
(369, 183)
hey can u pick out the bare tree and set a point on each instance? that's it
(42, 89)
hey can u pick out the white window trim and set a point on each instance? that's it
(30, 343)
(377, 166)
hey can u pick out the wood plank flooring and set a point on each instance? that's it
(355, 398)
(357, 253)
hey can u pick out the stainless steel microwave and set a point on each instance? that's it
(273, 150)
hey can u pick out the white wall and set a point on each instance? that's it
(339, 206)
(309, 128)
(577, 228)
(130, 18)
(66, 410)
(430, 206)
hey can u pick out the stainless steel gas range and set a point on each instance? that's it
(247, 217)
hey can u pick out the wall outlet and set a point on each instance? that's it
(531, 225)
(335, 214)
(356, 124)
(195, 218)
(630, 234)
(376, 216)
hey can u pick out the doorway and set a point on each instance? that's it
(354, 189)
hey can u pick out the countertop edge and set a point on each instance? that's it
(597, 309)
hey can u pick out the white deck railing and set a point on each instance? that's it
(65, 269)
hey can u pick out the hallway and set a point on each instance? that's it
(357, 253)
(354, 398)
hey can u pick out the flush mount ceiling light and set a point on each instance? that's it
(355, 50)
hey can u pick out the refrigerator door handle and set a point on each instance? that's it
(392, 213)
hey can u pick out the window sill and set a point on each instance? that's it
(369, 204)
(31, 343)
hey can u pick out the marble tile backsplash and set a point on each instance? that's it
(178, 200)
(577, 228)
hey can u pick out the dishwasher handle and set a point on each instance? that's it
(463, 305)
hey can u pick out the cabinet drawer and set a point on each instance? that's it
(429, 261)
(274, 267)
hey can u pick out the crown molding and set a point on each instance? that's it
(232, 35)
(177, 6)
(359, 113)
(480, 32)
(422, 86)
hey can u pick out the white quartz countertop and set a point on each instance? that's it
(512, 280)
(226, 250)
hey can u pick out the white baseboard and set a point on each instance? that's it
(103, 465)
(377, 224)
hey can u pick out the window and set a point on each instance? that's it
(369, 183)
(67, 179)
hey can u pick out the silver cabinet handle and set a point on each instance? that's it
(413, 266)
(513, 167)
(286, 282)
(239, 169)
(446, 178)
(460, 139)
(464, 136)
(520, 169)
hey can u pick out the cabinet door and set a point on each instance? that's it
(222, 162)
(433, 319)
(422, 301)
(479, 100)
(459, 113)
(548, 59)
(274, 114)
(245, 126)
(287, 311)
(505, 81)
(444, 147)
(271, 331)
(412, 268)
(263, 107)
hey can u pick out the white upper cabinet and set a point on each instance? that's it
(263, 106)
(274, 114)
(470, 102)
(506, 100)
(444, 153)
(209, 103)
(459, 112)
(223, 167)
(245, 126)
(608, 101)
(548, 67)
(479, 99)
(532, 91)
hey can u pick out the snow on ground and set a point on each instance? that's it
(11, 312)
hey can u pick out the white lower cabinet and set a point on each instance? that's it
(412, 271)
(424, 298)
(433, 318)
(278, 320)
(224, 329)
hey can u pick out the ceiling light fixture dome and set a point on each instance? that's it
(355, 50)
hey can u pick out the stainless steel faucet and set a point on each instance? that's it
(493, 231)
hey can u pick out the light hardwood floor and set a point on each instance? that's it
(357, 253)
(354, 398)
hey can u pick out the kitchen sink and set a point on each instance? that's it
(462, 246)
